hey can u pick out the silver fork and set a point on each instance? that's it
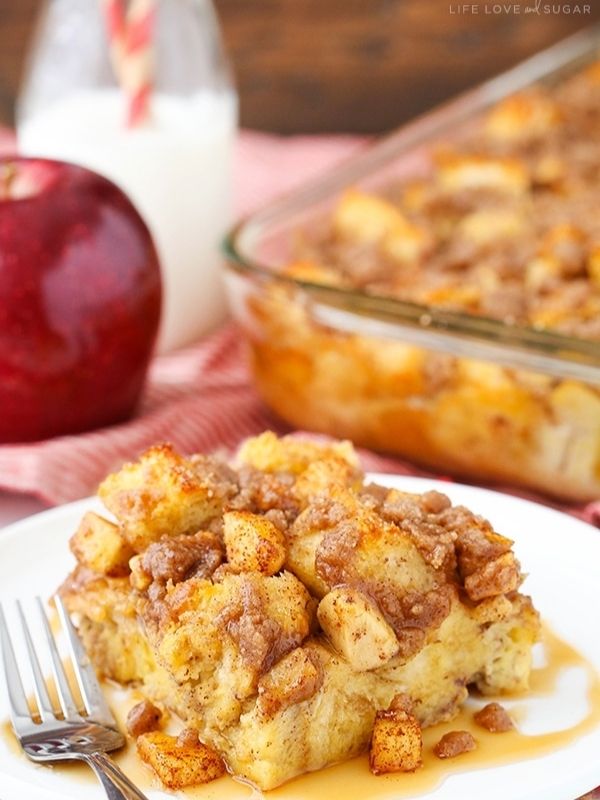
(64, 734)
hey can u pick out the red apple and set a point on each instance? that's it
(80, 297)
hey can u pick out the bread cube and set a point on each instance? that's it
(365, 218)
(159, 495)
(374, 550)
(311, 272)
(593, 265)
(179, 765)
(269, 453)
(99, 545)
(592, 74)
(139, 578)
(522, 117)
(357, 628)
(562, 254)
(252, 543)
(539, 271)
(323, 475)
(485, 226)
(550, 170)
(407, 243)
(396, 744)
(295, 678)
(457, 173)
(493, 610)
(577, 408)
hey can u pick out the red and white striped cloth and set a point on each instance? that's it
(201, 398)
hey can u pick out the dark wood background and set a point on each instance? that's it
(345, 65)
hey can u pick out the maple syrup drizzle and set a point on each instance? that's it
(352, 779)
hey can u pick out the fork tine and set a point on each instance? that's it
(40, 690)
(63, 689)
(14, 685)
(96, 705)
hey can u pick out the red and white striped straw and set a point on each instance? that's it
(130, 30)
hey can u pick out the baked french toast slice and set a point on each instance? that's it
(278, 605)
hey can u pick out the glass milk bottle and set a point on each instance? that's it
(140, 91)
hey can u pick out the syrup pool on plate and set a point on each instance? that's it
(176, 168)
(352, 780)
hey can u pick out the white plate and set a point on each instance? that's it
(561, 555)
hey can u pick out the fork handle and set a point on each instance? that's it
(116, 784)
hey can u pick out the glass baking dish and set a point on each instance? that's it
(526, 407)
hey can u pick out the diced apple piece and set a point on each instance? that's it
(357, 628)
(252, 543)
(397, 743)
(177, 764)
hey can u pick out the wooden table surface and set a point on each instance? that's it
(349, 65)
